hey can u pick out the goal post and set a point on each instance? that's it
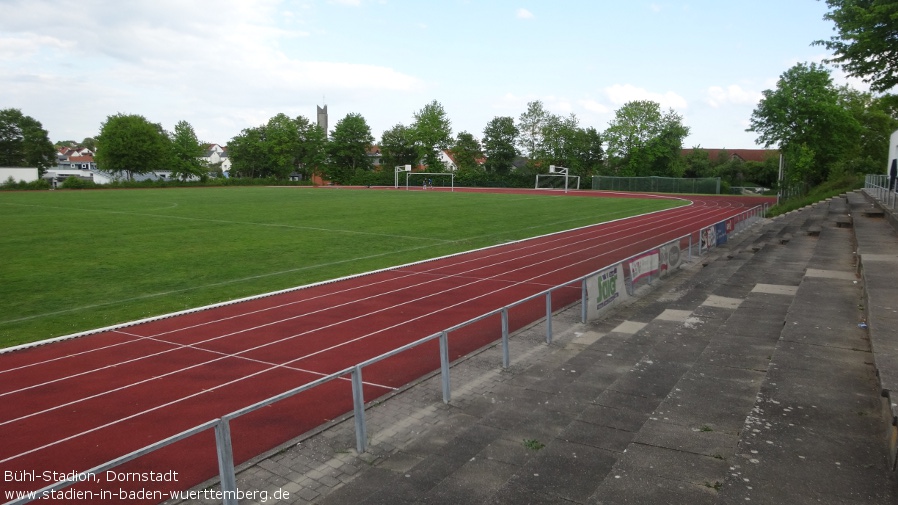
(400, 168)
(557, 178)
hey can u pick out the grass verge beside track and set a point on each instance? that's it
(74, 260)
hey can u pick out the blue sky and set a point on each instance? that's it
(226, 65)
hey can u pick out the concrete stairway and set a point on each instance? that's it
(816, 419)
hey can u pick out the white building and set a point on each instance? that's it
(18, 174)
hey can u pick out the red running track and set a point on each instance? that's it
(74, 404)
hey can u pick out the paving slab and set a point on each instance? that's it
(640, 488)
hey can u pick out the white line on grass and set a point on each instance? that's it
(225, 221)
(121, 301)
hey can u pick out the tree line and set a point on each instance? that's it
(823, 131)
(643, 140)
(537, 139)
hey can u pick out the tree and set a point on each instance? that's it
(805, 115)
(587, 151)
(24, 142)
(877, 120)
(559, 143)
(697, 163)
(643, 141)
(500, 138)
(433, 133)
(531, 128)
(281, 144)
(866, 40)
(311, 154)
(665, 150)
(348, 148)
(130, 144)
(186, 153)
(247, 153)
(397, 146)
(466, 151)
(278, 148)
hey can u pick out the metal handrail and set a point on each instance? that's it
(221, 425)
(879, 187)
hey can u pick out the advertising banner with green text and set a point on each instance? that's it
(604, 290)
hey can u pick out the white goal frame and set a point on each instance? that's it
(450, 174)
(570, 181)
(400, 168)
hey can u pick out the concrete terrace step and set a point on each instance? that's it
(683, 451)
(816, 415)
(878, 256)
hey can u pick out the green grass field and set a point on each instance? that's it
(77, 260)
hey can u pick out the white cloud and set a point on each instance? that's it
(518, 104)
(27, 45)
(524, 14)
(169, 60)
(732, 94)
(594, 106)
(620, 94)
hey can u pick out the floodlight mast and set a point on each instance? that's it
(400, 168)
(553, 169)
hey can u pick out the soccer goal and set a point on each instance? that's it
(557, 178)
(430, 179)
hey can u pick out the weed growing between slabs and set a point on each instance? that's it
(77, 260)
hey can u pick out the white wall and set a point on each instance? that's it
(19, 174)
(893, 150)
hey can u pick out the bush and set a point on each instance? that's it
(833, 187)
(74, 182)
(12, 185)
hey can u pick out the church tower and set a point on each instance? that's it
(322, 119)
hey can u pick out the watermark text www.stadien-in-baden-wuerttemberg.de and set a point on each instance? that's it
(111, 487)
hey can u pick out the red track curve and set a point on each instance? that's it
(77, 403)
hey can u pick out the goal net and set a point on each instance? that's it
(430, 179)
(556, 181)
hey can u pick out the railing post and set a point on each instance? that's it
(506, 362)
(584, 301)
(444, 366)
(690, 246)
(358, 409)
(226, 462)
(700, 243)
(549, 317)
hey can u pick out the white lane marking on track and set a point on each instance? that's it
(317, 352)
(111, 423)
(253, 328)
(604, 231)
(366, 315)
(176, 347)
